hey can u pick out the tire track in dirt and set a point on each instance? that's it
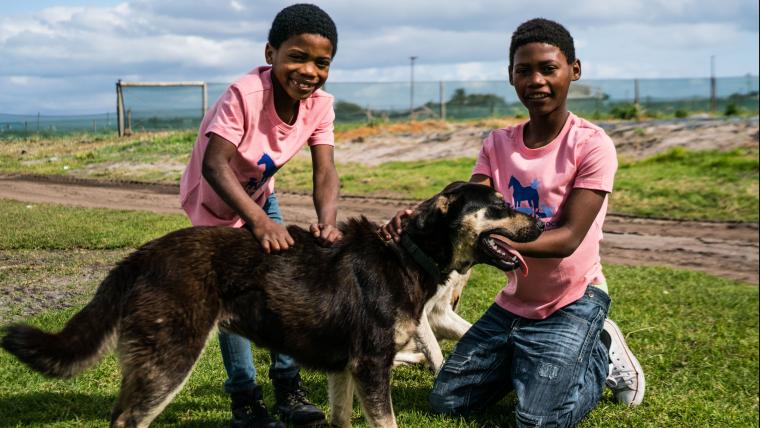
(723, 249)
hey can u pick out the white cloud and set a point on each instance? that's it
(85, 49)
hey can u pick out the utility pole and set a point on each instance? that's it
(411, 88)
(713, 95)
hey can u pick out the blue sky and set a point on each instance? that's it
(64, 56)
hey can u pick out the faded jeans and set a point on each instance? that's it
(556, 366)
(236, 350)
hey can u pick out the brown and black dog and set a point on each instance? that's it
(345, 309)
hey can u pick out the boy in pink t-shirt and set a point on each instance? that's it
(259, 123)
(546, 337)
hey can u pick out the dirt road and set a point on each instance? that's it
(724, 249)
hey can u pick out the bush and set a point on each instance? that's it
(731, 109)
(626, 111)
(681, 113)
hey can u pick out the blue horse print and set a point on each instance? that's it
(269, 170)
(522, 193)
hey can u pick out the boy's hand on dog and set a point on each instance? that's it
(272, 236)
(393, 228)
(326, 234)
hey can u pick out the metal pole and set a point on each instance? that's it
(442, 91)
(205, 98)
(713, 97)
(119, 109)
(411, 88)
(636, 97)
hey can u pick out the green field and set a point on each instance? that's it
(695, 335)
(704, 185)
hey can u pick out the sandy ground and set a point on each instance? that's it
(728, 250)
(633, 140)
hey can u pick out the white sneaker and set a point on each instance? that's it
(626, 378)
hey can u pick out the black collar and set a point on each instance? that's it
(422, 259)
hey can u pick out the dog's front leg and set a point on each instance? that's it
(341, 391)
(427, 343)
(449, 325)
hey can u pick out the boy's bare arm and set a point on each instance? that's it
(580, 210)
(218, 174)
(326, 187)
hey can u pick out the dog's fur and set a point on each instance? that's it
(346, 309)
(439, 321)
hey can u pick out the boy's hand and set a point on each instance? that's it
(272, 236)
(393, 229)
(326, 234)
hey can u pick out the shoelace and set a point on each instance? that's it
(296, 396)
(621, 377)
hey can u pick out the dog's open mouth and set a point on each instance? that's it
(503, 255)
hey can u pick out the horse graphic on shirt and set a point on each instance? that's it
(269, 170)
(527, 194)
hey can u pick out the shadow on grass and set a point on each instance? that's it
(41, 408)
(415, 400)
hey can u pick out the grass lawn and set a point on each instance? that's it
(704, 185)
(695, 335)
(699, 350)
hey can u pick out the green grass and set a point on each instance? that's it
(683, 184)
(36, 226)
(695, 335)
(690, 185)
(704, 185)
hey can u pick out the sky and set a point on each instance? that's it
(64, 56)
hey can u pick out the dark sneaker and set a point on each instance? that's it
(626, 378)
(249, 411)
(294, 407)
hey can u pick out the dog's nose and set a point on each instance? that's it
(540, 225)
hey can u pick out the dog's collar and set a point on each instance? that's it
(422, 259)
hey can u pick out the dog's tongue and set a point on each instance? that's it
(501, 242)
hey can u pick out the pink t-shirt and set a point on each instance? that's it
(538, 182)
(245, 115)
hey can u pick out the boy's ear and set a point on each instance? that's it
(269, 53)
(509, 73)
(576, 66)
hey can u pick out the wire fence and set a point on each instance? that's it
(181, 108)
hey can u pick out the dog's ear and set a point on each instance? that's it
(429, 212)
(453, 186)
(434, 209)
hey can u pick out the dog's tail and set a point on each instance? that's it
(83, 340)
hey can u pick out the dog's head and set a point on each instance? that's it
(465, 225)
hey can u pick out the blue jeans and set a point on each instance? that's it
(236, 350)
(556, 366)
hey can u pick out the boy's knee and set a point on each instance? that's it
(533, 420)
(444, 400)
(445, 404)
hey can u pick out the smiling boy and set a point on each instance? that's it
(260, 122)
(546, 336)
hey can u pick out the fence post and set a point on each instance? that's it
(205, 98)
(442, 91)
(636, 96)
(713, 97)
(120, 108)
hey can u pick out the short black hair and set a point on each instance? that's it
(302, 18)
(540, 30)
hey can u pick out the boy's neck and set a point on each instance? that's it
(543, 129)
(285, 106)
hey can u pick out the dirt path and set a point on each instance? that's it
(724, 249)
